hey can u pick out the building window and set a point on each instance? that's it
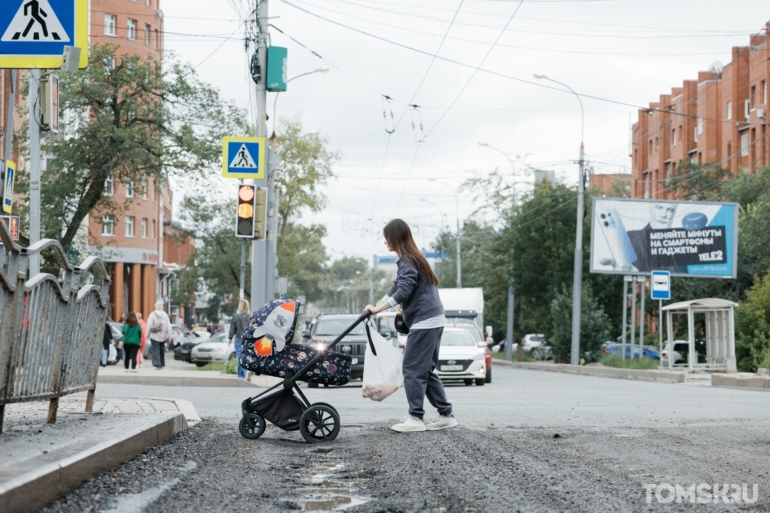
(753, 97)
(668, 174)
(129, 226)
(147, 34)
(647, 187)
(745, 144)
(129, 189)
(144, 188)
(700, 126)
(131, 34)
(153, 229)
(108, 225)
(157, 39)
(109, 24)
(764, 92)
(695, 133)
(147, 2)
(144, 227)
(109, 186)
(747, 109)
(673, 137)
(729, 110)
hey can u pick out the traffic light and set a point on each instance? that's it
(244, 223)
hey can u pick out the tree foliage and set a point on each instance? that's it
(128, 118)
(595, 327)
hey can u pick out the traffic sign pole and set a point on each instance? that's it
(34, 168)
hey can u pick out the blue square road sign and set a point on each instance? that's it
(244, 158)
(661, 285)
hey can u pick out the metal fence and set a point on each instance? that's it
(51, 327)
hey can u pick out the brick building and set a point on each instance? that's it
(143, 248)
(719, 119)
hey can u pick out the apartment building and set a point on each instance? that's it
(719, 119)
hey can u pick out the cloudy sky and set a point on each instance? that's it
(626, 52)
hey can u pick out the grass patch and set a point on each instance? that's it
(614, 360)
(501, 356)
(228, 367)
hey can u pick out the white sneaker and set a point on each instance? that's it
(441, 422)
(409, 423)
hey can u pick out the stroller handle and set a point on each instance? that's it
(336, 341)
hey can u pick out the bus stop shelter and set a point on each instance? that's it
(719, 332)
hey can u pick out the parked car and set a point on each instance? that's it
(679, 354)
(542, 353)
(531, 341)
(461, 358)
(386, 326)
(646, 352)
(478, 337)
(215, 349)
(184, 351)
(327, 328)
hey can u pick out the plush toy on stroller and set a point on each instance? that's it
(268, 348)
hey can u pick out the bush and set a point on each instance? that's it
(594, 324)
(752, 326)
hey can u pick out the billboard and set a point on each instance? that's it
(685, 238)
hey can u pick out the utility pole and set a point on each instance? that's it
(34, 167)
(261, 273)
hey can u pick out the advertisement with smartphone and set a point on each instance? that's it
(685, 238)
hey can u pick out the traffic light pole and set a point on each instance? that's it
(242, 292)
(260, 255)
(34, 168)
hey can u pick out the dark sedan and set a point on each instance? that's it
(327, 328)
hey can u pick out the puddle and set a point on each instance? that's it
(330, 488)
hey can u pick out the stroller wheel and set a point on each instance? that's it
(319, 423)
(252, 426)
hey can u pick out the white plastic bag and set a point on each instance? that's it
(382, 372)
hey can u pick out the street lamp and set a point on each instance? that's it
(457, 203)
(577, 284)
(511, 296)
(275, 102)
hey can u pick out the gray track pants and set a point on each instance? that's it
(420, 359)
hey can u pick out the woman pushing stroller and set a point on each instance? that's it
(416, 290)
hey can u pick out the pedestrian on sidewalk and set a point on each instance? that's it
(140, 354)
(238, 325)
(106, 341)
(132, 339)
(416, 290)
(158, 331)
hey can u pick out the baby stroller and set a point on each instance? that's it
(268, 349)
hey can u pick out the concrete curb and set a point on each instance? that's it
(173, 381)
(34, 489)
(752, 381)
(605, 372)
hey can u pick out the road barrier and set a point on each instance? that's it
(51, 327)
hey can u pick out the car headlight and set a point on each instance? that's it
(320, 346)
(479, 356)
(222, 349)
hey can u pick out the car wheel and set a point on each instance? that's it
(480, 382)
(326, 385)
(488, 377)
(200, 364)
(468, 382)
(312, 385)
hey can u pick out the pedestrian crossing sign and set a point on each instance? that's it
(243, 157)
(33, 33)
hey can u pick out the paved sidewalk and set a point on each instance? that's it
(178, 376)
(40, 462)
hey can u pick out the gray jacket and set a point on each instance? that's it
(238, 325)
(417, 296)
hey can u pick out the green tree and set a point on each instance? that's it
(127, 118)
(347, 285)
(595, 326)
(752, 326)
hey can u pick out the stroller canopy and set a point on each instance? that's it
(278, 319)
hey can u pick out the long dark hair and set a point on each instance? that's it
(131, 319)
(400, 239)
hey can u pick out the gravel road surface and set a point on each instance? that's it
(211, 468)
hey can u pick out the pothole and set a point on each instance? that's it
(329, 488)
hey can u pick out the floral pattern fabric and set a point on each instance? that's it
(332, 369)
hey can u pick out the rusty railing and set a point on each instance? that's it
(51, 327)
